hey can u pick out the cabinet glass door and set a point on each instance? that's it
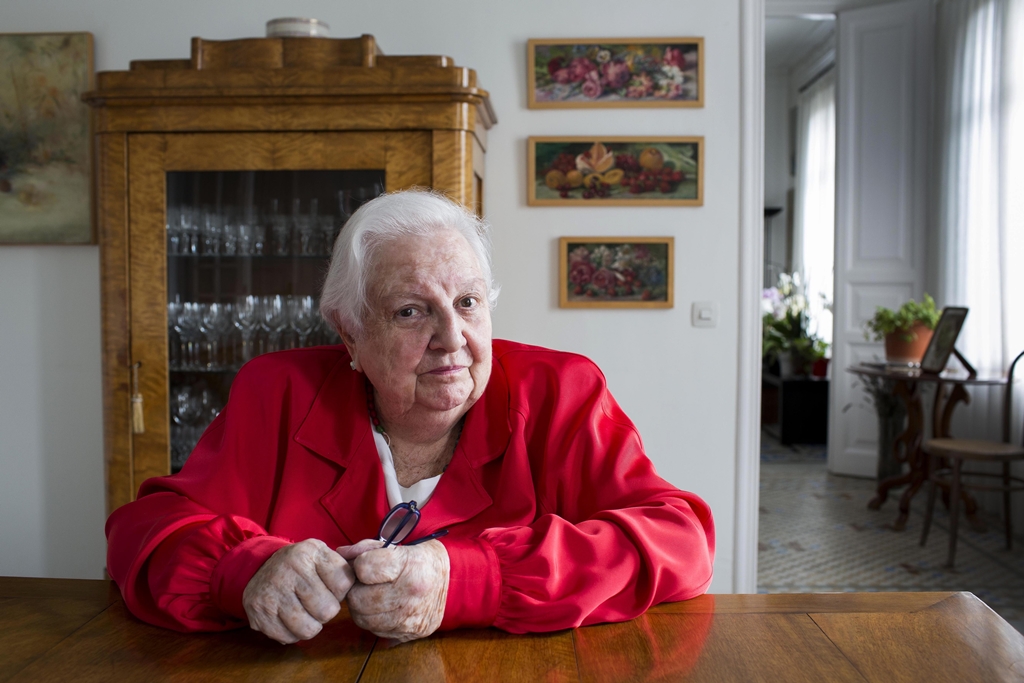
(247, 252)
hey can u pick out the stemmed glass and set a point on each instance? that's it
(174, 231)
(275, 319)
(216, 320)
(175, 344)
(229, 245)
(303, 316)
(189, 230)
(213, 231)
(280, 230)
(247, 317)
(187, 325)
(186, 412)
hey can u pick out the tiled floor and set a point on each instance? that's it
(817, 534)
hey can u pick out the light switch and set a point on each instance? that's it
(704, 314)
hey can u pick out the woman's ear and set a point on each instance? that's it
(350, 345)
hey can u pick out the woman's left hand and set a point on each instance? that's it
(401, 591)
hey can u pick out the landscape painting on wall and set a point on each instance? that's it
(615, 272)
(615, 72)
(45, 162)
(616, 171)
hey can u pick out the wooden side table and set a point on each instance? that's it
(907, 385)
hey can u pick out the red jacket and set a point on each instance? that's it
(556, 516)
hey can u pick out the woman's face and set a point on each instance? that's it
(426, 345)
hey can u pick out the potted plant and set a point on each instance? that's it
(785, 335)
(906, 331)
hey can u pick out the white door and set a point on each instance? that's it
(882, 135)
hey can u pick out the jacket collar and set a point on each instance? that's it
(337, 427)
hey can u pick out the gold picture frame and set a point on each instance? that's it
(615, 171)
(46, 193)
(568, 73)
(616, 272)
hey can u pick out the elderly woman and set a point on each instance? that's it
(538, 508)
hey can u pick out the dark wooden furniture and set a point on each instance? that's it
(257, 105)
(795, 409)
(63, 630)
(907, 386)
(959, 451)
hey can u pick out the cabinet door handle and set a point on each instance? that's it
(138, 423)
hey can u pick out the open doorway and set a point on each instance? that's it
(799, 225)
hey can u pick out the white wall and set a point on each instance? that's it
(677, 382)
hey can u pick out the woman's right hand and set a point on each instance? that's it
(298, 590)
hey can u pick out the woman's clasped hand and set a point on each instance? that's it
(396, 592)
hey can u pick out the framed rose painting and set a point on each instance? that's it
(615, 272)
(615, 171)
(615, 72)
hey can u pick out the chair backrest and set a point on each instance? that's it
(1008, 400)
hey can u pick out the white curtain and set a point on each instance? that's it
(979, 199)
(815, 199)
(980, 184)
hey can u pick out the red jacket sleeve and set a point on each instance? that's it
(611, 538)
(183, 552)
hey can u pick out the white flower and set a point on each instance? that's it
(603, 56)
(602, 256)
(673, 73)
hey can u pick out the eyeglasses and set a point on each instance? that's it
(399, 524)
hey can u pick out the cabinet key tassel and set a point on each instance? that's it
(138, 425)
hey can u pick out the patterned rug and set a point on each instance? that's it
(817, 535)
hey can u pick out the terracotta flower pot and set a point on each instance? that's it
(899, 350)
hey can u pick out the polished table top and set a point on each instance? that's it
(68, 630)
(910, 374)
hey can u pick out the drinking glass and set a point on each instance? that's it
(189, 230)
(304, 229)
(247, 317)
(213, 232)
(215, 323)
(175, 345)
(246, 238)
(186, 413)
(275, 319)
(302, 316)
(280, 232)
(229, 245)
(326, 226)
(174, 231)
(187, 326)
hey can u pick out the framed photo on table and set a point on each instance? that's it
(615, 272)
(943, 339)
(615, 72)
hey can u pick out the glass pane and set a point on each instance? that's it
(246, 255)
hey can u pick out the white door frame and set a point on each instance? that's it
(748, 403)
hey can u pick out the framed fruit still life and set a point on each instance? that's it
(616, 171)
(615, 272)
(615, 72)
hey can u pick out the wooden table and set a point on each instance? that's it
(68, 630)
(907, 385)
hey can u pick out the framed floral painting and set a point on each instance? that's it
(45, 144)
(615, 171)
(615, 272)
(615, 72)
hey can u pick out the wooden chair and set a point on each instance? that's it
(958, 451)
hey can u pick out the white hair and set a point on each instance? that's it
(343, 302)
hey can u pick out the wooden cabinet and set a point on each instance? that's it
(198, 163)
